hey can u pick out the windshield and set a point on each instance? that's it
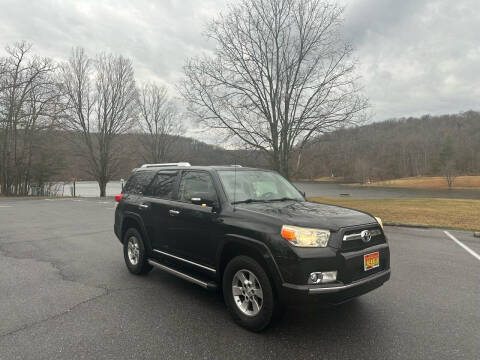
(257, 185)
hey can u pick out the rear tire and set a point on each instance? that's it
(134, 252)
(248, 293)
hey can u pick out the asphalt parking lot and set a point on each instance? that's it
(65, 293)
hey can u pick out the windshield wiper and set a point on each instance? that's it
(247, 201)
(285, 199)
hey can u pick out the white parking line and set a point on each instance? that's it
(5, 206)
(473, 253)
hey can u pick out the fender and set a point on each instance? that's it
(258, 246)
(138, 219)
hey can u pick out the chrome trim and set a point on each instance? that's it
(173, 212)
(331, 289)
(358, 236)
(180, 274)
(185, 260)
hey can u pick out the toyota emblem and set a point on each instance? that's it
(366, 236)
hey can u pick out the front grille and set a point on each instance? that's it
(351, 242)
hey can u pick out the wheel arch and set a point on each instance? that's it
(235, 245)
(132, 220)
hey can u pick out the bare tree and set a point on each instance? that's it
(101, 97)
(450, 173)
(159, 119)
(281, 74)
(29, 105)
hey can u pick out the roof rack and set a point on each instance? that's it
(165, 164)
(237, 166)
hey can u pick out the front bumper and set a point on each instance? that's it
(333, 293)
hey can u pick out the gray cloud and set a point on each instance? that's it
(415, 56)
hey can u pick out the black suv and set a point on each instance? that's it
(251, 233)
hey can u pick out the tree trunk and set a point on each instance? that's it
(103, 187)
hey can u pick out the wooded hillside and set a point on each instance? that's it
(430, 145)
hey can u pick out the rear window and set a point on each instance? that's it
(138, 182)
(162, 185)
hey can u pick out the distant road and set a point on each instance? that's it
(312, 189)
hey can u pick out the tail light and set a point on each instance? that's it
(118, 197)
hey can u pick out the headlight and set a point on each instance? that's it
(379, 221)
(304, 237)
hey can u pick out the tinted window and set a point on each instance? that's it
(257, 185)
(138, 182)
(196, 184)
(163, 184)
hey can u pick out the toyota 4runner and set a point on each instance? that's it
(251, 233)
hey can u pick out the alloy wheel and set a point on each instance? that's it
(133, 250)
(247, 292)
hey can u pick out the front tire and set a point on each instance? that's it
(248, 293)
(134, 252)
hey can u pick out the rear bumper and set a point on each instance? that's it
(333, 293)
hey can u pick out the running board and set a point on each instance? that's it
(205, 284)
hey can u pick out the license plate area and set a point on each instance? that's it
(371, 261)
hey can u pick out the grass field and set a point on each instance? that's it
(429, 182)
(445, 213)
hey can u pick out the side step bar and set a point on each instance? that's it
(205, 284)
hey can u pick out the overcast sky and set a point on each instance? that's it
(415, 56)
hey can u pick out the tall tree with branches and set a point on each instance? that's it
(101, 99)
(281, 74)
(29, 106)
(159, 120)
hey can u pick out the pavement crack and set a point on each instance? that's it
(55, 316)
(106, 292)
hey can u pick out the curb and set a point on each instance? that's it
(422, 226)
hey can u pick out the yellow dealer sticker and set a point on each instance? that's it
(371, 261)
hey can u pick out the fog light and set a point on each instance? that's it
(322, 277)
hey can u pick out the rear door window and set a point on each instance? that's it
(138, 182)
(163, 185)
(196, 184)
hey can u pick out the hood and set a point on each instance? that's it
(310, 214)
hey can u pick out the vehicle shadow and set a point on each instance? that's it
(358, 313)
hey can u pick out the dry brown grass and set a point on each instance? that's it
(329, 179)
(430, 182)
(445, 213)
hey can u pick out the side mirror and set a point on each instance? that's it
(203, 202)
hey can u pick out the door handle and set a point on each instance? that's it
(174, 212)
(144, 206)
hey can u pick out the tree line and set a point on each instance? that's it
(90, 100)
(444, 145)
(423, 146)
